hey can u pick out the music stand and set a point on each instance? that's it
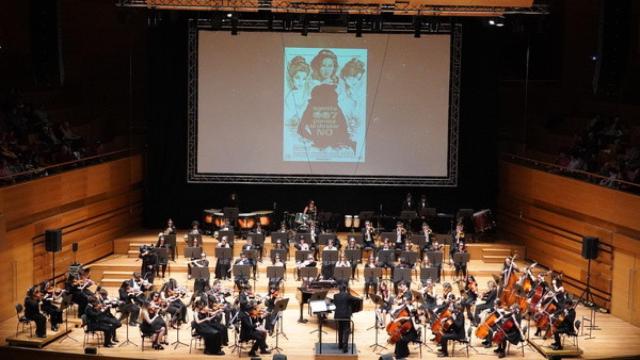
(372, 273)
(359, 239)
(461, 259)
(305, 235)
(330, 256)
(409, 256)
(171, 241)
(282, 236)
(279, 307)
(419, 240)
(163, 257)
(229, 234)
(200, 272)
(64, 305)
(377, 300)
(366, 215)
(308, 272)
(281, 252)
(243, 271)
(435, 257)
(428, 273)
(402, 274)
(342, 273)
(192, 237)
(323, 239)
(274, 272)
(193, 252)
(231, 213)
(391, 235)
(258, 241)
(302, 255)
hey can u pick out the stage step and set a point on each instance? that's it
(494, 259)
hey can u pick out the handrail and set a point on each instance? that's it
(580, 174)
(9, 180)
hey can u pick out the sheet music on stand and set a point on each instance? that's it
(200, 272)
(402, 274)
(275, 272)
(330, 256)
(353, 255)
(242, 271)
(223, 254)
(309, 272)
(257, 239)
(323, 239)
(391, 235)
(342, 273)
(429, 273)
(193, 252)
(163, 254)
(301, 255)
(282, 236)
(386, 256)
(409, 256)
(435, 257)
(419, 240)
(320, 306)
(281, 252)
(371, 274)
(461, 258)
(305, 235)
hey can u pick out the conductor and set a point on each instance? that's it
(344, 303)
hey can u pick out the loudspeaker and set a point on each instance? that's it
(53, 240)
(91, 350)
(74, 247)
(589, 247)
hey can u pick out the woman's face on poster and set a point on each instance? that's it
(299, 79)
(353, 81)
(326, 68)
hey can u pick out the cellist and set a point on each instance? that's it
(455, 330)
(508, 329)
(563, 323)
(402, 318)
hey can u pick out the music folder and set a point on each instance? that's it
(223, 254)
(372, 273)
(461, 258)
(191, 252)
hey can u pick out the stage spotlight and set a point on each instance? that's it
(229, 15)
(492, 22)
(359, 27)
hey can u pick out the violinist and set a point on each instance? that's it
(370, 282)
(455, 330)
(270, 303)
(562, 322)
(162, 263)
(51, 305)
(488, 299)
(250, 329)
(202, 319)
(223, 266)
(128, 306)
(170, 294)
(153, 326)
(77, 285)
(344, 305)
(99, 320)
(137, 287)
(470, 295)
(32, 311)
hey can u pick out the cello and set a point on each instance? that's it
(400, 325)
(442, 324)
(489, 322)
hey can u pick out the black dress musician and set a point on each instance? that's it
(470, 295)
(128, 306)
(107, 304)
(153, 326)
(162, 261)
(50, 307)
(170, 229)
(351, 245)
(455, 331)
(223, 266)
(170, 294)
(568, 312)
(32, 311)
(402, 345)
(77, 285)
(149, 263)
(203, 327)
(250, 329)
(97, 320)
(344, 303)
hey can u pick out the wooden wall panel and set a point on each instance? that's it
(91, 205)
(550, 215)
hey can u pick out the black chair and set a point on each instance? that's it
(194, 337)
(96, 336)
(463, 342)
(22, 320)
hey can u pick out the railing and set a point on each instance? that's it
(65, 166)
(595, 179)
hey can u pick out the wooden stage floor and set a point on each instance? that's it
(616, 339)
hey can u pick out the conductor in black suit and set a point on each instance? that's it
(344, 308)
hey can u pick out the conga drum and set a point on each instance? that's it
(348, 221)
(356, 221)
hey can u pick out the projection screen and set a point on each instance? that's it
(322, 109)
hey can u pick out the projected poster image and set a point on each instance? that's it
(324, 105)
